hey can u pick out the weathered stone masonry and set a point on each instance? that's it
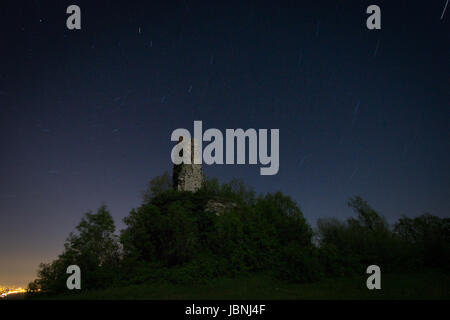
(188, 177)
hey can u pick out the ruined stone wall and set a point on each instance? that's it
(220, 206)
(188, 177)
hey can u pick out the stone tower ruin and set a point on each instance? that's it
(188, 177)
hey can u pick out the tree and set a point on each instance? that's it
(94, 248)
(424, 228)
(426, 239)
(95, 242)
(157, 186)
(167, 235)
(350, 246)
(367, 217)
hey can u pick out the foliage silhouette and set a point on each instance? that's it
(173, 237)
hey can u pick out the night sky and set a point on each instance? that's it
(86, 115)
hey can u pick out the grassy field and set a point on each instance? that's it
(399, 286)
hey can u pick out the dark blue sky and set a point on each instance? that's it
(86, 116)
